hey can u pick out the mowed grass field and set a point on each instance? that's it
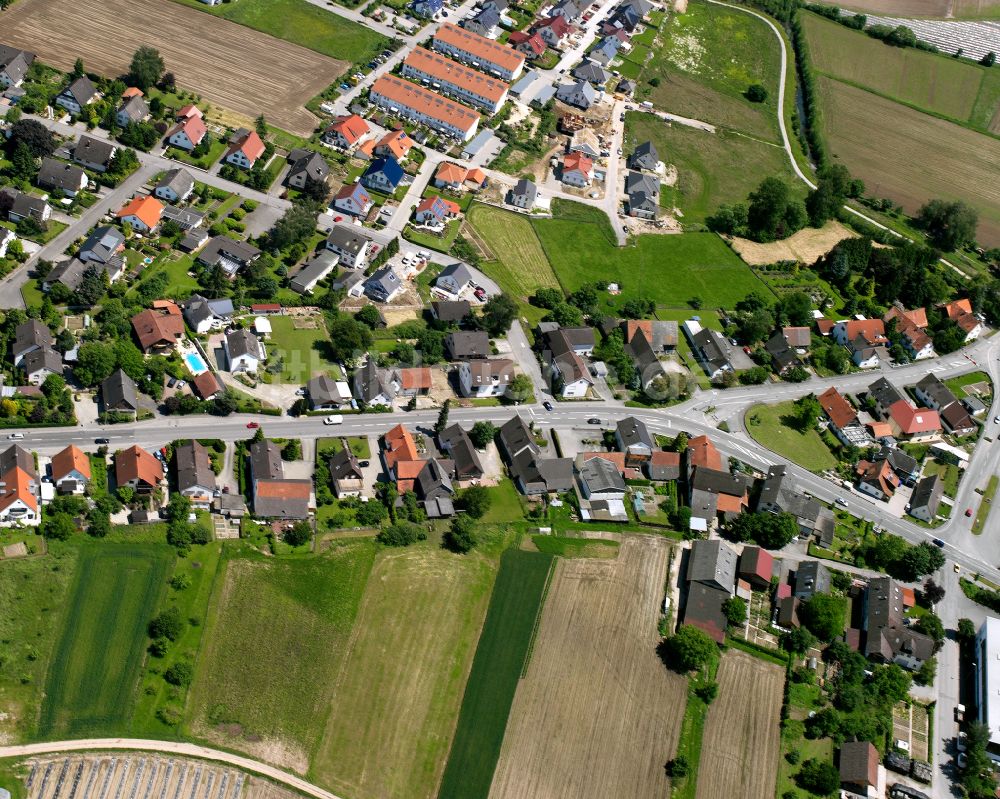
(397, 693)
(712, 168)
(503, 646)
(33, 593)
(942, 85)
(228, 64)
(710, 56)
(519, 265)
(297, 347)
(597, 714)
(776, 429)
(668, 269)
(911, 157)
(277, 635)
(91, 682)
(742, 730)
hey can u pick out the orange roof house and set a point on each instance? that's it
(137, 468)
(578, 161)
(245, 149)
(189, 112)
(417, 378)
(407, 473)
(837, 409)
(71, 463)
(916, 316)
(158, 328)
(395, 143)
(143, 213)
(132, 91)
(702, 452)
(192, 126)
(17, 485)
(909, 421)
(347, 130)
(399, 446)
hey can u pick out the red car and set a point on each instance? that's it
(252, 425)
(968, 511)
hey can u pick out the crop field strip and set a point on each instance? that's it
(91, 681)
(397, 695)
(911, 157)
(597, 714)
(228, 64)
(961, 9)
(504, 645)
(742, 730)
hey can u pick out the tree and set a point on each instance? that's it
(260, 125)
(178, 508)
(292, 450)
(295, 227)
(820, 777)
(300, 534)
(823, 615)
(22, 162)
(950, 225)
(482, 433)
(520, 388)
(756, 93)
(767, 208)
(34, 135)
(926, 673)
(126, 494)
(966, 631)
(348, 339)
(58, 526)
(461, 534)
(989, 59)
(498, 313)
(707, 692)
(798, 640)
(475, 501)
(401, 534)
(369, 316)
(807, 410)
(442, 420)
(547, 298)
(98, 523)
(930, 625)
(795, 308)
(735, 611)
(689, 649)
(769, 530)
(933, 593)
(180, 673)
(146, 68)
(78, 71)
(168, 624)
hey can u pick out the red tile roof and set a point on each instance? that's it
(397, 142)
(840, 412)
(483, 49)
(153, 327)
(206, 384)
(444, 70)
(824, 326)
(702, 452)
(448, 172)
(399, 446)
(418, 377)
(17, 486)
(135, 463)
(913, 421)
(249, 144)
(534, 41)
(430, 104)
(871, 330)
(578, 160)
(916, 317)
(351, 127)
(283, 489)
(147, 210)
(194, 127)
(70, 459)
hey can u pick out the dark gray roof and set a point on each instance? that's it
(459, 273)
(434, 480)
(223, 247)
(194, 467)
(69, 273)
(602, 475)
(382, 283)
(712, 563)
(884, 392)
(717, 482)
(265, 460)
(456, 442)
(314, 269)
(134, 108)
(526, 188)
(901, 463)
(103, 242)
(344, 465)
(347, 239)
(58, 175)
(369, 382)
(15, 62)
(89, 150)
(309, 162)
(633, 432)
(82, 90)
(243, 342)
(26, 204)
(515, 437)
(464, 344)
(885, 635)
(452, 311)
(592, 72)
(44, 358)
(644, 156)
(180, 180)
(713, 347)
(323, 390)
(811, 577)
(932, 386)
(16, 456)
(31, 334)
(119, 392)
(927, 494)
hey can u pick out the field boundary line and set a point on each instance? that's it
(538, 618)
(169, 747)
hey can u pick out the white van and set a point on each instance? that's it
(334, 419)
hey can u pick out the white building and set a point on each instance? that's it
(987, 660)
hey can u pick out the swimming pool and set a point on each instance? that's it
(195, 363)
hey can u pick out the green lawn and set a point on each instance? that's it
(500, 659)
(301, 23)
(181, 284)
(215, 151)
(442, 243)
(668, 269)
(775, 427)
(90, 687)
(576, 547)
(710, 56)
(259, 682)
(957, 384)
(32, 294)
(505, 504)
(299, 348)
(712, 169)
(986, 505)
(358, 444)
(949, 474)
(33, 593)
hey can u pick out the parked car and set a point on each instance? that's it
(334, 419)
(363, 464)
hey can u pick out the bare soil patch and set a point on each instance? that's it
(806, 246)
(596, 714)
(903, 8)
(230, 65)
(741, 741)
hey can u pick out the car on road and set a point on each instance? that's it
(335, 418)
(593, 420)
(958, 569)
(547, 405)
(363, 464)
(841, 501)
(102, 440)
(938, 543)
(16, 435)
(996, 420)
(253, 425)
(968, 511)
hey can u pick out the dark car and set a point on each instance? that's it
(593, 420)
(102, 440)
(362, 464)
(547, 405)
(938, 543)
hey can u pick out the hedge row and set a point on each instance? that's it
(813, 122)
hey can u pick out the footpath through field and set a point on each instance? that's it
(169, 747)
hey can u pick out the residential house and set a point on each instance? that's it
(39, 364)
(67, 273)
(777, 495)
(274, 495)
(189, 130)
(585, 141)
(313, 271)
(710, 347)
(661, 336)
(228, 254)
(593, 73)
(17, 205)
(345, 474)
(383, 174)
(70, 470)
(158, 329)
(142, 213)
(914, 424)
(206, 385)
(716, 494)
(811, 577)
(244, 351)
(175, 186)
(567, 370)
(195, 478)
(93, 154)
(456, 443)
(30, 336)
(466, 345)
(632, 437)
(865, 338)
(396, 144)
(485, 378)
(471, 48)
(102, 245)
(782, 355)
(531, 473)
(485, 23)
(119, 394)
(567, 9)
(886, 638)
(876, 479)
(203, 314)
(957, 421)
(455, 279)
(427, 107)
(523, 195)
(137, 468)
(600, 479)
(436, 211)
(663, 466)
(577, 170)
(383, 285)
(883, 395)
(19, 487)
(372, 386)
(453, 311)
(61, 178)
(78, 95)
(245, 148)
(933, 393)
(711, 580)
(643, 195)
(427, 8)
(579, 94)
(413, 381)
(859, 765)
(353, 199)
(756, 566)
(186, 219)
(133, 109)
(905, 467)
(398, 447)
(14, 65)
(305, 166)
(529, 43)
(644, 157)
(926, 498)
(456, 177)
(552, 30)
(346, 131)
(606, 50)
(327, 394)
(960, 312)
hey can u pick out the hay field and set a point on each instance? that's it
(806, 246)
(960, 9)
(229, 65)
(911, 157)
(597, 714)
(742, 731)
(398, 692)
